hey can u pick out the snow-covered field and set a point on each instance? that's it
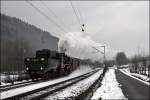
(139, 76)
(142, 78)
(76, 89)
(110, 88)
(78, 72)
(8, 78)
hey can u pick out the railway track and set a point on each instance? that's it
(45, 91)
(17, 85)
(22, 84)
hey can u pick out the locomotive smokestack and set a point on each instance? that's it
(62, 47)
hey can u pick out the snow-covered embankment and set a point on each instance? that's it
(76, 89)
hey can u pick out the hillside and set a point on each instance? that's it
(20, 39)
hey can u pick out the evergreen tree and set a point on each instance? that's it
(121, 58)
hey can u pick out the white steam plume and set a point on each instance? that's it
(76, 44)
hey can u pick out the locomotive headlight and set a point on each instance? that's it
(27, 68)
(28, 59)
(41, 68)
(42, 59)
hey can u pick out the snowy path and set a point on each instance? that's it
(110, 88)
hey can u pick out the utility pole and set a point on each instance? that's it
(101, 52)
(104, 52)
(105, 67)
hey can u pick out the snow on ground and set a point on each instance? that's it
(5, 84)
(139, 76)
(142, 77)
(8, 78)
(127, 70)
(16, 82)
(17, 91)
(76, 89)
(110, 88)
(5, 77)
(136, 76)
(81, 70)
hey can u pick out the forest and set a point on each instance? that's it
(20, 39)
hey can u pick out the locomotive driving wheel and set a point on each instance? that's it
(46, 76)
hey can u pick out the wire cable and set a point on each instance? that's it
(78, 19)
(42, 13)
(55, 16)
(79, 11)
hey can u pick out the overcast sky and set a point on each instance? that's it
(123, 25)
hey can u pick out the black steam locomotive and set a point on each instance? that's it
(49, 63)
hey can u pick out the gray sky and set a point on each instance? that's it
(123, 25)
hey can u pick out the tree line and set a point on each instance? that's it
(19, 39)
(137, 64)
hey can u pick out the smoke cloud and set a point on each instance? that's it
(79, 45)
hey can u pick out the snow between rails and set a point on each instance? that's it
(109, 89)
(76, 89)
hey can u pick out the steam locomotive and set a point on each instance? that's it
(49, 63)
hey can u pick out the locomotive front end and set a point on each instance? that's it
(36, 67)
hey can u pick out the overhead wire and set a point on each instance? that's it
(75, 13)
(42, 13)
(47, 17)
(80, 15)
(79, 11)
(83, 15)
(51, 11)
